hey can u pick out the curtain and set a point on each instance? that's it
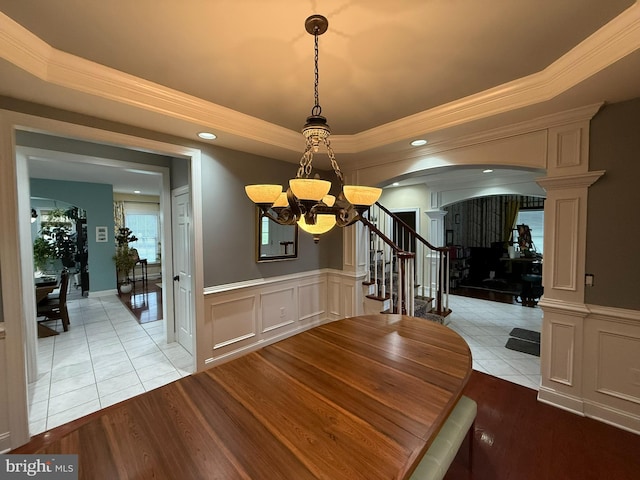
(511, 214)
(118, 216)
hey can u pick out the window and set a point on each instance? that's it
(144, 222)
(264, 238)
(535, 220)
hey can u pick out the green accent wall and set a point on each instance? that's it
(97, 200)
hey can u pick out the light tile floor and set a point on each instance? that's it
(107, 357)
(485, 325)
(104, 358)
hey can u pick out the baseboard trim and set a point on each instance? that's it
(561, 400)
(612, 416)
(5, 442)
(103, 293)
(590, 409)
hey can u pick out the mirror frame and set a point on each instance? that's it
(274, 258)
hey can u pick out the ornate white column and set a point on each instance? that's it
(436, 227)
(565, 212)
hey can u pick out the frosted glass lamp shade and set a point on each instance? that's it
(324, 223)
(309, 188)
(281, 201)
(329, 200)
(364, 196)
(263, 194)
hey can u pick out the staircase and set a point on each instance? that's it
(405, 274)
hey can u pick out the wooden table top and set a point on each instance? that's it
(43, 291)
(359, 398)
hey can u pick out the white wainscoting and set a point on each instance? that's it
(245, 316)
(5, 434)
(591, 362)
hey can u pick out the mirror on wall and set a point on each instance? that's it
(275, 242)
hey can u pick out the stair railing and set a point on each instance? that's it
(388, 253)
(431, 266)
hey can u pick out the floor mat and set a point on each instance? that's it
(524, 334)
(524, 346)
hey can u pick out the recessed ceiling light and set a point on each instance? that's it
(488, 170)
(136, 191)
(418, 143)
(207, 135)
(396, 184)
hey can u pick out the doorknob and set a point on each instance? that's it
(176, 278)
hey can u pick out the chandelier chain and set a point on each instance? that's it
(304, 170)
(317, 109)
(334, 163)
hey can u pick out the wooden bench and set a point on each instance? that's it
(436, 461)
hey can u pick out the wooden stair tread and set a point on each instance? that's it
(444, 313)
(424, 299)
(378, 297)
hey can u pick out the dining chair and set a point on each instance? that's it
(56, 308)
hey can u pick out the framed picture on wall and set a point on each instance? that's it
(101, 234)
(449, 237)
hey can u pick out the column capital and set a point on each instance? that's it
(580, 180)
(435, 214)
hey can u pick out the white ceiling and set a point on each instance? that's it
(389, 71)
(53, 165)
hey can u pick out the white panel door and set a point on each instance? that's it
(182, 260)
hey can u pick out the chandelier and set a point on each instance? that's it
(307, 201)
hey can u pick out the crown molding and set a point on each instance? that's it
(613, 41)
(28, 52)
(579, 114)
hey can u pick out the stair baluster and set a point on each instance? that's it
(428, 280)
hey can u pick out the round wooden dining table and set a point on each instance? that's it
(357, 398)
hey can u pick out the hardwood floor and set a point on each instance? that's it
(515, 437)
(145, 302)
(518, 438)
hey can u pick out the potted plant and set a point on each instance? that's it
(125, 258)
(61, 239)
(43, 254)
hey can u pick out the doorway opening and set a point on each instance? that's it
(486, 260)
(18, 390)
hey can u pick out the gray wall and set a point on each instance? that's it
(180, 172)
(229, 217)
(613, 223)
(230, 220)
